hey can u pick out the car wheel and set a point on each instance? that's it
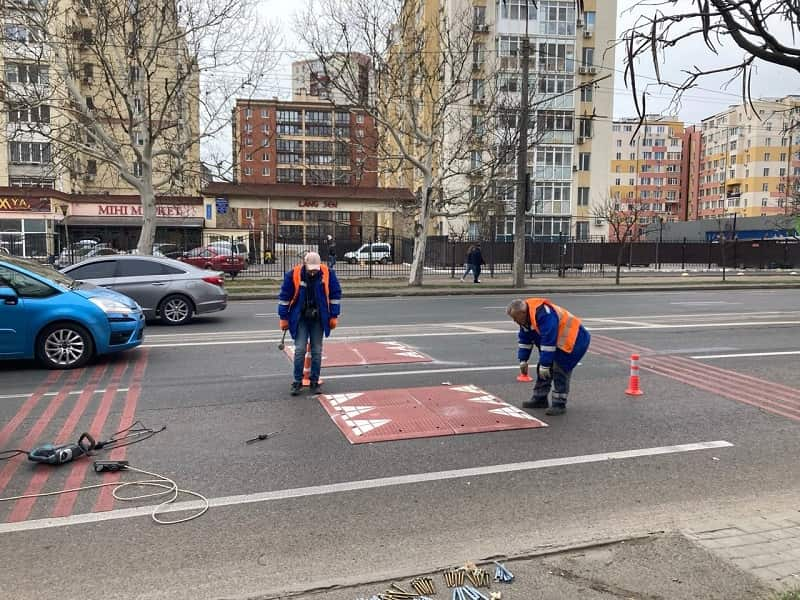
(384, 261)
(64, 346)
(176, 310)
(209, 267)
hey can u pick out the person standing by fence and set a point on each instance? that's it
(474, 262)
(331, 252)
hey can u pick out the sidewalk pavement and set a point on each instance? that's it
(755, 558)
(257, 289)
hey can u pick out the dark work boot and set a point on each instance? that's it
(556, 410)
(296, 388)
(536, 403)
(315, 387)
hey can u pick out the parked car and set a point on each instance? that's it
(166, 289)
(212, 258)
(61, 322)
(227, 247)
(82, 250)
(378, 253)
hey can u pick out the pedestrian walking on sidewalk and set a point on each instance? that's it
(561, 340)
(308, 307)
(474, 263)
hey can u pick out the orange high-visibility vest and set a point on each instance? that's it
(296, 279)
(568, 324)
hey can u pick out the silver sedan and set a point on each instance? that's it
(167, 289)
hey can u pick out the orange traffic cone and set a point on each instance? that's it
(307, 367)
(633, 382)
(525, 377)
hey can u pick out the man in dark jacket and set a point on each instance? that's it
(309, 305)
(475, 259)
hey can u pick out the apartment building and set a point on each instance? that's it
(305, 169)
(572, 81)
(647, 168)
(63, 126)
(312, 80)
(747, 162)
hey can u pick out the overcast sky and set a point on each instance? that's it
(699, 103)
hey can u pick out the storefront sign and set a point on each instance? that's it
(24, 204)
(175, 211)
(222, 205)
(318, 203)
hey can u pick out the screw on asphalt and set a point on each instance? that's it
(501, 574)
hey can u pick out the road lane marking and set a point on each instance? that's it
(746, 355)
(706, 303)
(364, 484)
(75, 393)
(401, 335)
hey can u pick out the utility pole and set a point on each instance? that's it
(518, 268)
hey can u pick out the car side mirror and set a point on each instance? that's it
(8, 296)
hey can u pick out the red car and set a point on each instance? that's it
(214, 259)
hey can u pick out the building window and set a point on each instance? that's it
(265, 143)
(264, 113)
(590, 20)
(265, 157)
(584, 161)
(556, 56)
(766, 156)
(248, 141)
(516, 10)
(766, 171)
(587, 58)
(586, 96)
(619, 157)
(248, 157)
(29, 152)
(138, 169)
(248, 113)
(359, 118)
(768, 142)
(583, 196)
(26, 114)
(478, 16)
(248, 171)
(765, 187)
(137, 105)
(265, 172)
(556, 18)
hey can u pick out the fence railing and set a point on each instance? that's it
(263, 256)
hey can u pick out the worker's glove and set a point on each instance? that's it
(332, 323)
(284, 325)
(543, 372)
(523, 367)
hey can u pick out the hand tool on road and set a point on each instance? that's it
(282, 345)
(261, 437)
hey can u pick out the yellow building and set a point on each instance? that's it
(748, 162)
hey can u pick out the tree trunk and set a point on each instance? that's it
(620, 253)
(148, 234)
(420, 239)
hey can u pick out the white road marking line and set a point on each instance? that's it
(422, 372)
(75, 393)
(401, 335)
(708, 302)
(364, 484)
(746, 355)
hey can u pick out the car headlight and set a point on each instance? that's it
(109, 305)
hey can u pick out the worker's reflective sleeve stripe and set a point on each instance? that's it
(336, 301)
(547, 309)
(284, 302)
(303, 284)
(548, 348)
(526, 346)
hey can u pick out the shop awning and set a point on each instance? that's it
(192, 222)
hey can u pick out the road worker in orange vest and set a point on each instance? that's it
(561, 340)
(308, 306)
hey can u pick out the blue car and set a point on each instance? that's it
(61, 322)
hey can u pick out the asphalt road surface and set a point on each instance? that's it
(716, 432)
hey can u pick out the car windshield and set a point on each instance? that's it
(45, 271)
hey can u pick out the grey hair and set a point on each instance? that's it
(516, 306)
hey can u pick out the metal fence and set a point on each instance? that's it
(389, 256)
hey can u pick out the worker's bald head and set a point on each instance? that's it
(518, 311)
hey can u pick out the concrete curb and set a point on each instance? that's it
(543, 290)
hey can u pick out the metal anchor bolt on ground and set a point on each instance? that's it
(502, 575)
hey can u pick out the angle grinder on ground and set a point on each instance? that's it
(58, 455)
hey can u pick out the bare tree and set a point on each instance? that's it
(440, 128)
(763, 29)
(116, 98)
(623, 224)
